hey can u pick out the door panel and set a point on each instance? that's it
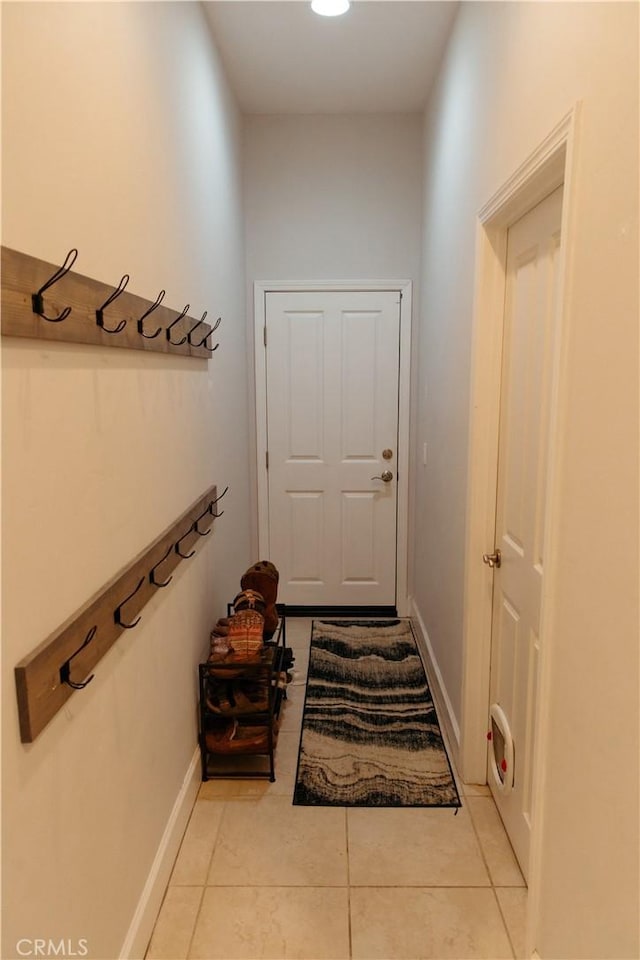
(332, 407)
(359, 381)
(358, 537)
(304, 523)
(530, 307)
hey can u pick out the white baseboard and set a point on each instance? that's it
(446, 715)
(139, 934)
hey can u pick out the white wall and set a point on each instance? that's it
(510, 74)
(332, 198)
(120, 137)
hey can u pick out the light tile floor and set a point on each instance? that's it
(257, 877)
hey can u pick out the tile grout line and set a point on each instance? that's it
(195, 925)
(205, 884)
(178, 885)
(346, 836)
(504, 921)
(490, 875)
(344, 886)
(480, 845)
(524, 884)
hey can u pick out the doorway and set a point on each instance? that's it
(552, 164)
(518, 560)
(332, 392)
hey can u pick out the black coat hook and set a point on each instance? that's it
(114, 296)
(185, 556)
(195, 327)
(213, 503)
(117, 614)
(154, 306)
(37, 302)
(152, 575)
(65, 669)
(203, 343)
(177, 320)
(196, 528)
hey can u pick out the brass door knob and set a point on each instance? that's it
(386, 476)
(492, 559)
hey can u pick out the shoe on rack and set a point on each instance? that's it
(246, 630)
(249, 599)
(263, 577)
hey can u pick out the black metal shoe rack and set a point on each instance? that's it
(231, 730)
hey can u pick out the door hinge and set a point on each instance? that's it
(264, 334)
(266, 458)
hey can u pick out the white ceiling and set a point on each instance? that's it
(380, 57)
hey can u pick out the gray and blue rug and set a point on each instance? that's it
(370, 735)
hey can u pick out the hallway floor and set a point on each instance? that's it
(259, 878)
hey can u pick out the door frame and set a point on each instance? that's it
(405, 288)
(553, 163)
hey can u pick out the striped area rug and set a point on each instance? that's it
(370, 735)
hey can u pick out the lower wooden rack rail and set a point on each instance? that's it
(62, 664)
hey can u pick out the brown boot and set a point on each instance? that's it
(249, 600)
(246, 626)
(263, 577)
(221, 628)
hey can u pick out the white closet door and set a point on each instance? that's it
(530, 309)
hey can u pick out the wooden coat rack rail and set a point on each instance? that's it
(61, 664)
(46, 302)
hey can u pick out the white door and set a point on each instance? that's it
(332, 361)
(530, 308)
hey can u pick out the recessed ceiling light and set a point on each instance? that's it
(330, 8)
